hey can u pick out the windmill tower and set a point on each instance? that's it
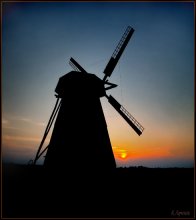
(80, 138)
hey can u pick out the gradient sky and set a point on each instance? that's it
(155, 74)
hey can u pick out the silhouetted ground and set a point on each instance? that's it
(28, 191)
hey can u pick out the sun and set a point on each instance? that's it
(123, 155)
(120, 153)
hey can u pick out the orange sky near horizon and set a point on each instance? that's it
(22, 137)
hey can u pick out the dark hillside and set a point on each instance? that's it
(128, 192)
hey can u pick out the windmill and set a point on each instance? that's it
(80, 137)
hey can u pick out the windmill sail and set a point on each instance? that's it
(118, 52)
(76, 66)
(126, 115)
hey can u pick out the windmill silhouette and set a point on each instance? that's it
(80, 138)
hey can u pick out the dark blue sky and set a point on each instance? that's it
(155, 74)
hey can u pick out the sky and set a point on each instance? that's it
(155, 74)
